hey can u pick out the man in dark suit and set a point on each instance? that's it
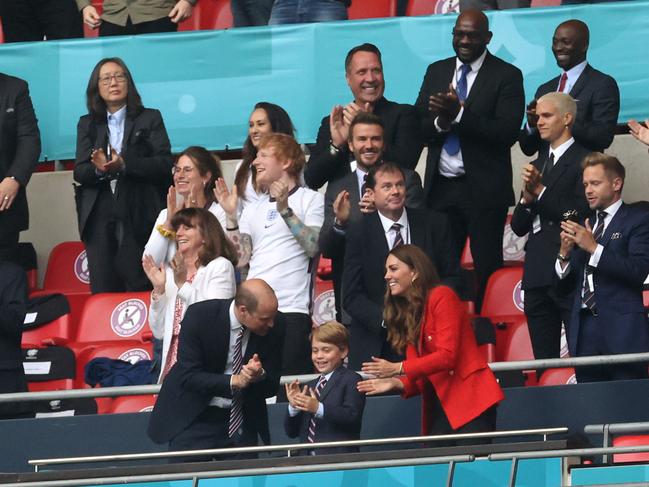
(597, 94)
(368, 244)
(343, 202)
(20, 146)
(471, 107)
(229, 359)
(606, 261)
(13, 306)
(552, 187)
(330, 156)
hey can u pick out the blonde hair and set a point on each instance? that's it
(564, 103)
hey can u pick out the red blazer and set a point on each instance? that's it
(447, 356)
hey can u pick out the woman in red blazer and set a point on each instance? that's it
(429, 322)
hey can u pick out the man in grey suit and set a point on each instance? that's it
(346, 198)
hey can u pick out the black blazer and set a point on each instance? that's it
(564, 191)
(331, 242)
(13, 306)
(142, 187)
(402, 144)
(343, 413)
(598, 106)
(492, 118)
(20, 147)
(198, 375)
(363, 274)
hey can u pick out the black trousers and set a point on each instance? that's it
(32, 20)
(485, 422)
(592, 341)
(114, 257)
(296, 358)
(164, 24)
(545, 311)
(209, 431)
(484, 226)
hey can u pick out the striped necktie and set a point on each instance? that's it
(236, 411)
(398, 237)
(311, 433)
(588, 296)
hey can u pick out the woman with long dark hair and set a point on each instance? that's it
(265, 118)
(429, 323)
(122, 171)
(202, 268)
(194, 176)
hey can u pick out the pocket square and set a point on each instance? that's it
(616, 235)
(10, 110)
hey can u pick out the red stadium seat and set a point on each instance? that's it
(421, 7)
(77, 301)
(371, 9)
(513, 249)
(133, 404)
(324, 305)
(57, 331)
(558, 377)
(513, 339)
(503, 296)
(645, 299)
(324, 268)
(127, 350)
(208, 15)
(67, 268)
(545, 3)
(113, 317)
(631, 440)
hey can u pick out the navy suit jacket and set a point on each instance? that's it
(564, 191)
(618, 280)
(364, 271)
(493, 113)
(20, 146)
(332, 243)
(598, 106)
(198, 375)
(343, 413)
(402, 144)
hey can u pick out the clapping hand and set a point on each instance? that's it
(366, 203)
(253, 370)
(639, 131)
(179, 269)
(532, 117)
(306, 400)
(226, 198)
(577, 235)
(379, 367)
(279, 191)
(372, 387)
(155, 273)
(342, 207)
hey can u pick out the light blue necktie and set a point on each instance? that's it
(452, 142)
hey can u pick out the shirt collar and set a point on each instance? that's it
(118, 116)
(612, 210)
(235, 324)
(387, 223)
(561, 150)
(475, 65)
(574, 72)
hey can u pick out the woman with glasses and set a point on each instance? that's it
(194, 175)
(202, 268)
(122, 172)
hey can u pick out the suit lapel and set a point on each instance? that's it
(581, 82)
(375, 228)
(354, 195)
(128, 128)
(480, 81)
(416, 227)
(614, 226)
(331, 383)
(560, 166)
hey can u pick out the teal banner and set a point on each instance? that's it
(482, 473)
(206, 83)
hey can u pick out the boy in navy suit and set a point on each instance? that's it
(329, 408)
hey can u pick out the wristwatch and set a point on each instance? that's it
(333, 149)
(287, 213)
(563, 258)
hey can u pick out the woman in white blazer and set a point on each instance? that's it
(201, 269)
(194, 175)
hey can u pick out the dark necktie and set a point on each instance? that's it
(236, 411)
(452, 142)
(312, 425)
(398, 237)
(588, 296)
(562, 82)
(548, 165)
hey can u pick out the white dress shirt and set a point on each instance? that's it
(390, 235)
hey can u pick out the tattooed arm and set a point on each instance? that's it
(229, 202)
(306, 236)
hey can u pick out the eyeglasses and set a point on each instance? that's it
(185, 170)
(119, 78)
